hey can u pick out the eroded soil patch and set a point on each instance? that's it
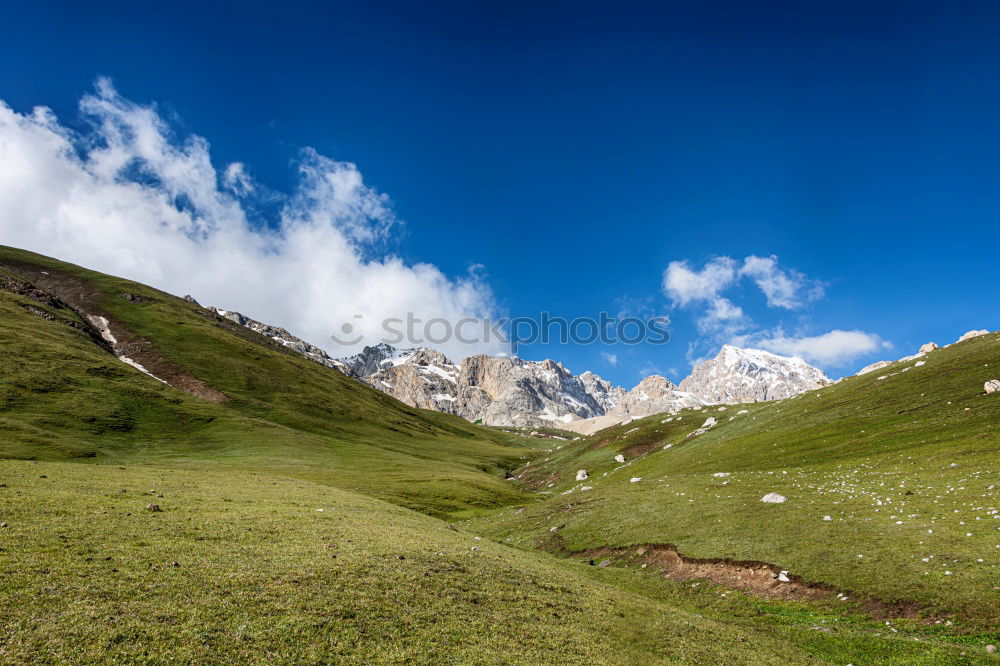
(757, 578)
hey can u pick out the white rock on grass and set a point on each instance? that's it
(582, 475)
(992, 386)
(927, 348)
(619, 458)
(828, 518)
(783, 577)
(773, 498)
(972, 334)
(635, 479)
(721, 474)
(709, 422)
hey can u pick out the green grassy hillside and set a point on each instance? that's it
(893, 487)
(64, 396)
(245, 567)
(304, 516)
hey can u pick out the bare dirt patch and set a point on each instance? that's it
(71, 291)
(757, 578)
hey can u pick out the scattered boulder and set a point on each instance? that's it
(971, 334)
(153, 507)
(927, 348)
(582, 475)
(773, 498)
(709, 422)
(635, 479)
(991, 649)
(783, 577)
(619, 458)
(992, 386)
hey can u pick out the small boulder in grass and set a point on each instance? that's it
(153, 507)
(773, 498)
(992, 386)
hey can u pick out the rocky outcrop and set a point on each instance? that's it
(654, 395)
(877, 365)
(971, 334)
(281, 336)
(422, 378)
(607, 395)
(751, 375)
(511, 391)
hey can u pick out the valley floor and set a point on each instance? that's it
(256, 568)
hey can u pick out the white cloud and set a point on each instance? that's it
(128, 198)
(719, 320)
(783, 288)
(610, 358)
(834, 348)
(685, 285)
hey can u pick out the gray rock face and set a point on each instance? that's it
(508, 391)
(654, 395)
(604, 392)
(503, 391)
(511, 391)
(376, 358)
(751, 375)
(422, 378)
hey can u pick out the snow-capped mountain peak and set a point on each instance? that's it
(750, 375)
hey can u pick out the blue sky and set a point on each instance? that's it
(574, 152)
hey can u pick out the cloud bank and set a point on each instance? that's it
(719, 320)
(834, 348)
(129, 198)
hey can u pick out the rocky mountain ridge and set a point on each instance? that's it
(513, 392)
(508, 391)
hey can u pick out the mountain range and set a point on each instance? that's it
(513, 392)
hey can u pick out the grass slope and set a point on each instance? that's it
(63, 396)
(905, 467)
(243, 567)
